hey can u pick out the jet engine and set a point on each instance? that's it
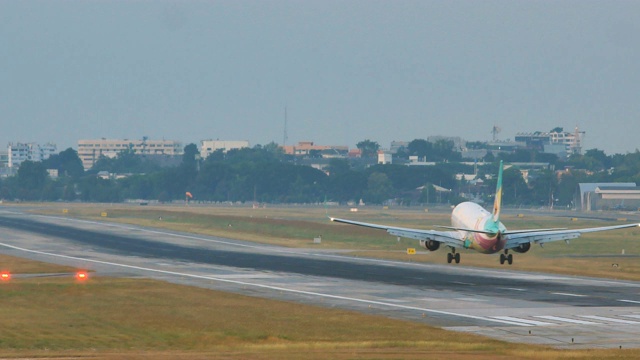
(430, 245)
(522, 248)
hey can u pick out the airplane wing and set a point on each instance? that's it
(517, 238)
(449, 238)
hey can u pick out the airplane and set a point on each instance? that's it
(473, 227)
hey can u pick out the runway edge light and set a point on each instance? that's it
(82, 275)
(5, 276)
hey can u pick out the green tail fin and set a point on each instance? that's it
(497, 203)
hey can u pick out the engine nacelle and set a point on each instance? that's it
(522, 248)
(430, 245)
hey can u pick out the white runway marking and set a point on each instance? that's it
(277, 288)
(567, 320)
(567, 294)
(463, 283)
(513, 289)
(524, 321)
(608, 319)
(630, 301)
(472, 299)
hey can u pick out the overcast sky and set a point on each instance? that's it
(345, 70)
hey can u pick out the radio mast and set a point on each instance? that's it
(285, 137)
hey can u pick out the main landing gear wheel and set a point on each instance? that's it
(453, 256)
(507, 258)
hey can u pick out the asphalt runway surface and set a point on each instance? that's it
(561, 311)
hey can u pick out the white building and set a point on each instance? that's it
(557, 138)
(384, 157)
(4, 159)
(207, 147)
(19, 152)
(90, 151)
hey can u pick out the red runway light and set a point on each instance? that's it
(5, 275)
(82, 275)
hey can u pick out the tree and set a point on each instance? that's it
(603, 160)
(444, 150)
(489, 157)
(67, 163)
(191, 155)
(419, 147)
(379, 188)
(32, 175)
(368, 148)
(514, 189)
(338, 167)
(32, 178)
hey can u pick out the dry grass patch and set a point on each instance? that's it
(23, 266)
(109, 318)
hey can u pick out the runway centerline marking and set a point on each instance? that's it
(630, 301)
(270, 287)
(568, 294)
(463, 283)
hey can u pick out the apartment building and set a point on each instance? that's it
(17, 153)
(207, 147)
(554, 141)
(307, 147)
(90, 151)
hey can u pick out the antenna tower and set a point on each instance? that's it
(285, 137)
(495, 131)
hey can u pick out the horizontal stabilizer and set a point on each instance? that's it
(469, 230)
(532, 230)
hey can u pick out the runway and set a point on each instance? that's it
(561, 311)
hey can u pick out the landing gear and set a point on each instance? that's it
(506, 257)
(453, 255)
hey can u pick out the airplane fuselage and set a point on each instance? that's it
(469, 215)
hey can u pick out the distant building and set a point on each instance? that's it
(19, 152)
(419, 161)
(538, 140)
(506, 146)
(4, 159)
(354, 153)
(207, 147)
(304, 148)
(5, 170)
(398, 145)
(90, 151)
(608, 196)
(384, 157)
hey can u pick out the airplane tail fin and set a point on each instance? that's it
(497, 203)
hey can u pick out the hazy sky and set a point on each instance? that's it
(345, 70)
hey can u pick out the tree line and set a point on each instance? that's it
(265, 174)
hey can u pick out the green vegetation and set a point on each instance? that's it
(264, 174)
